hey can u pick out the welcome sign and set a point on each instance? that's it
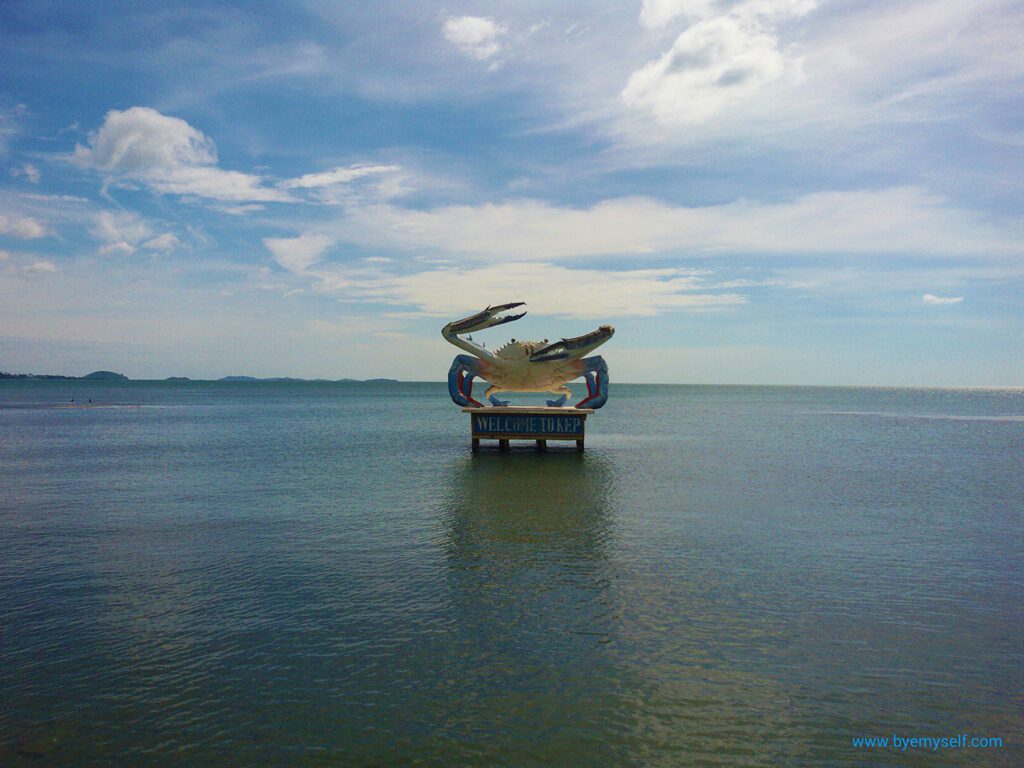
(516, 422)
(528, 425)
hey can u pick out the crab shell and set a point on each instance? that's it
(511, 368)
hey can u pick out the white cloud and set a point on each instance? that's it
(475, 36)
(298, 254)
(124, 232)
(140, 141)
(850, 70)
(24, 227)
(338, 176)
(912, 62)
(776, 8)
(119, 247)
(115, 226)
(10, 125)
(164, 242)
(24, 265)
(239, 210)
(119, 231)
(40, 268)
(214, 183)
(893, 221)
(898, 278)
(551, 290)
(929, 298)
(168, 155)
(711, 65)
(29, 171)
(53, 198)
(659, 13)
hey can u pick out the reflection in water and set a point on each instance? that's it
(528, 541)
(576, 636)
(527, 546)
(545, 503)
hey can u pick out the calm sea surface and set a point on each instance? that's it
(214, 574)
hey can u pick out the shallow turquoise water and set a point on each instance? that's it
(323, 574)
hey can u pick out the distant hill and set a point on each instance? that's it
(94, 376)
(113, 376)
(106, 376)
(6, 375)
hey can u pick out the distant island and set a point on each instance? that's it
(106, 376)
(112, 376)
(94, 376)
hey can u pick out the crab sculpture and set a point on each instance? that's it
(525, 366)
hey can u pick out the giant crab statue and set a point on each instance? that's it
(525, 366)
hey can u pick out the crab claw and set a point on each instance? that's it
(488, 318)
(577, 346)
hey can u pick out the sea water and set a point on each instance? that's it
(304, 573)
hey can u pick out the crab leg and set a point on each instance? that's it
(460, 380)
(595, 373)
(563, 395)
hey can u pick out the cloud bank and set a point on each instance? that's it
(904, 220)
(552, 289)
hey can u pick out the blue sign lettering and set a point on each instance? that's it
(526, 424)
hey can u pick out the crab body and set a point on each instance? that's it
(525, 366)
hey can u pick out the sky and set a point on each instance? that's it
(750, 191)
